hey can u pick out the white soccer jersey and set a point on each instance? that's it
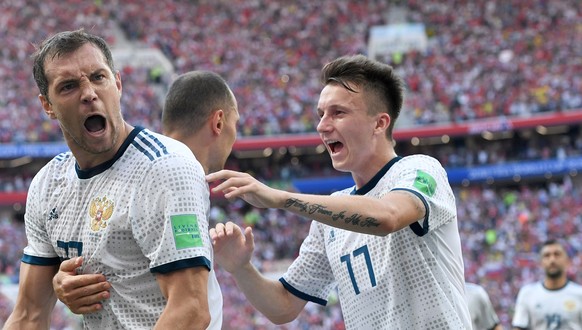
(483, 315)
(538, 308)
(141, 213)
(410, 279)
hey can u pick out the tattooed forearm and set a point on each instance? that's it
(305, 207)
(297, 204)
(319, 210)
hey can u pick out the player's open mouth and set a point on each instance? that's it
(335, 146)
(95, 124)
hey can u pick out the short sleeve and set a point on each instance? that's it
(489, 317)
(39, 250)
(520, 315)
(310, 276)
(171, 225)
(425, 177)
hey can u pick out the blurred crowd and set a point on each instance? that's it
(468, 151)
(495, 58)
(501, 225)
(501, 230)
(484, 58)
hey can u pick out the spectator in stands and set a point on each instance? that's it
(482, 72)
(483, 315)
(129, 198)
(555, 302)
(379, 242)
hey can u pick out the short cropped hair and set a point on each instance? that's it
(61, 44)
(553, 241)
(192, 98)
(376, 78)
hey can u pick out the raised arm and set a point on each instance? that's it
(36, 298)
(233, 250)
(396, 210)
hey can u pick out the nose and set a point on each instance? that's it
(323, 125)
(88, 94)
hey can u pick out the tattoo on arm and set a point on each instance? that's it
(420, 207)
(310, 209)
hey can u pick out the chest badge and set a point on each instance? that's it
(100, 211)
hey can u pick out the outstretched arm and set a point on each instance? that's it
(233, 250)
(81, 293)
(36, 298)
(396, 210)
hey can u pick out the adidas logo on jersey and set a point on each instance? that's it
(53, 214)
(331, 237)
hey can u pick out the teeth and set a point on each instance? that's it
(331, 141)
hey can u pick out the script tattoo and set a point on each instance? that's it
(300, 205)
(354, 219)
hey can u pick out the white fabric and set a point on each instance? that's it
(400, 281)
(124, 218)
(483, 315)
(538, 308)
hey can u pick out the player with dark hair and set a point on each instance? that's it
(132, 203)
(390, 244)
(553, 303)
(201, 111)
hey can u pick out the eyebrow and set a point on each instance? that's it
(75, 79)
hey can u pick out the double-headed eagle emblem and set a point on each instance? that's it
(100, 211)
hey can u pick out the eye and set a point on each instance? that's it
(68, 86)
(99, 76)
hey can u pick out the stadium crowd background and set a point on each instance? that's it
(485, 59)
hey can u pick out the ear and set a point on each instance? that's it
(47, 106)
(217, 121)
(383, 121)
(118, 82)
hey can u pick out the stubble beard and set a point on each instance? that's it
(101, 148)
(554, 274)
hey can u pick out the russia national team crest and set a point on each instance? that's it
(100, 211)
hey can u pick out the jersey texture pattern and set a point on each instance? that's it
(141, 213)
(409, 279)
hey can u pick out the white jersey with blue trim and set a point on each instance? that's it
(538, 308)
(141, 213)
(483, 315)
(409, 279)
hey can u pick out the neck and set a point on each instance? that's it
(88, 159)
(555, 283)
(198, 146)
(371, 168)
